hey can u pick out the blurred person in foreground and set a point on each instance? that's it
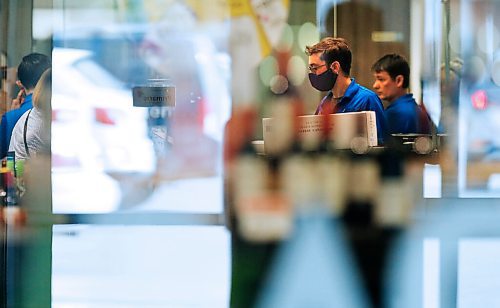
(392, 80)
(329, 68)
(31, 134)
(29, 72)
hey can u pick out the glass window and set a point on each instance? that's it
(107, 153)
(479, 98)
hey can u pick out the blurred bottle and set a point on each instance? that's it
(264, 214)
(364, 183)
(9, 181)
(395, 201)
(250, 209)
(333, 171)
(19, 172)
(261, 220)
(10, 160)
(298, 178)
(3, 184)
(379, 208)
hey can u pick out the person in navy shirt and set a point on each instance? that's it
(392, 79)
(29, 72)
(329, 68)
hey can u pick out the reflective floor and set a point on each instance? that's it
(158, 266)
(140, 266)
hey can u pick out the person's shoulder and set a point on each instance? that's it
(20, 121)
(403, 109)
(408, 97)
(14, 113)
(367, 92)
(369, 96)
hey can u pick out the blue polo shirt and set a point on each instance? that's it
(9, 120)
(358, 98)
(403, 116)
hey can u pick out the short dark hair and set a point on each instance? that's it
(394, 65)
(31, 69)
(333, 49)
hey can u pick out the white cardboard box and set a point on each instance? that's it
(344, 129)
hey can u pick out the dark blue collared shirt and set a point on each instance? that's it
(9, 120)
(403, 116)
(358, 98)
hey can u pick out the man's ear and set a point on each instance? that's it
(399, 81)
(335, 67)
(19, 84)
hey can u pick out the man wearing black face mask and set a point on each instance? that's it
(329, 67)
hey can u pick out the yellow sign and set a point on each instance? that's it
(268, 17)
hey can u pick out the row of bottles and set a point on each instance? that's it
(304, 175)
(370, 192)
(368, 189)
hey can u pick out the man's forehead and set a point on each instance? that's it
(315, 58)
(381, 74)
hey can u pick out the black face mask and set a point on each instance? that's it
(324, 81)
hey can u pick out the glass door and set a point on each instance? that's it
(130, 212)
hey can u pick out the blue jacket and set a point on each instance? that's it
(358, 98)
(9, 120)
(403, 116)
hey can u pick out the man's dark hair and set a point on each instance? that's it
(333, 49)
(31, 69)
(394, 65)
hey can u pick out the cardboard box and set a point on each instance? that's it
(346, 130)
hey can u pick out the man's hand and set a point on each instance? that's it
(19, 100)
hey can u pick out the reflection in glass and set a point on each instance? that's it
(104, 157)
(140, 266)
(479, 96)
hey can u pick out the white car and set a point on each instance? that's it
(99, 140)
(95, 125)
(102, 156)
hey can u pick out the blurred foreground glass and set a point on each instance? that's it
(317, 253)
